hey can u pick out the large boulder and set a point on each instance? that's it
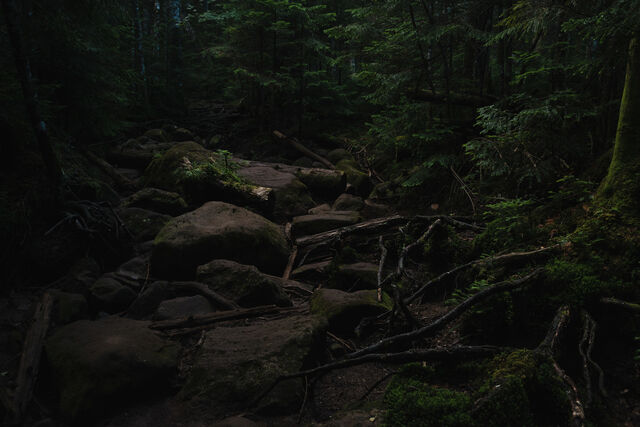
(201, 175)
(325, 183)
(243, 284)
(101, 365)
(356, 276)
(183, 307)
(218, 230)
(348, 202)
(236, 364)
(311, 224)
(355, 177)
(291, 196)
(344, 310)
(154, 199)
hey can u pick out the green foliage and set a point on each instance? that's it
(579, 284)
(509, 223)
(410, 401)
(218, 168)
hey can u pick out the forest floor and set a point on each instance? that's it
(166, 334)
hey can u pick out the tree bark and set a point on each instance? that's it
(620, 182)
(23, 68)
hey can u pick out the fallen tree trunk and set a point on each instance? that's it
(30, 359)
(121, 181)
(304, 150)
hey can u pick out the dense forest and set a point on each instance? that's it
(324, 213)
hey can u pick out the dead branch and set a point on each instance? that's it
(30, 359)
(208, 319)
(212, 296)
(438, 325)
(496, 260)
(383, 257)
(293, 142)
(292, 259)
(586, 373)
(121, 181)
(407, 249)
(591, 343)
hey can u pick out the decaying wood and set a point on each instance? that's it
(407, 249)
(214, 297)
(513, 257)
(383, 258)
(451, 353)
(292, 260)
(378, 225)
(591, 342)
(629, 306)
(121, 181)
(456, 312)
(30, 359)
(302, 149)
(209, 319)
(340, 341)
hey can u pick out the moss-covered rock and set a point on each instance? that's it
(359, 180)
(359, 275)
(236, 364)
(100, 366)
(154, 199)
(182, 307)
(338, 154)
(164, 171)
(218, 230)
(314, 273)
(291, 196)
(69, 307)
(344, 310)
(348, 202)
(243, 283)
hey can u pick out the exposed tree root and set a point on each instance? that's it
(513, 257)
(629, 306)
(548, 348)
(438, 325)
(453, 353)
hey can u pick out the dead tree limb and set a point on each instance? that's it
(30, 359)
(121, 181)
(496, 260)
(292, 260)
(293, 142)
(212, 296)
(591, 343)
(383, 258)
(438, 325)
(209, 319)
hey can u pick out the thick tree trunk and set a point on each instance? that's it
(23, 68)
(620, 182)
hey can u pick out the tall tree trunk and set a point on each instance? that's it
(23, 68)
(621, 183)
(139, 53)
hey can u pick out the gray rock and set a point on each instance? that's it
(348, 202)
(319, 209)
(344, 310)
(101, 365)
(109, 295)
(218, 231)
(236, 364)
(154, 199)
(243, 283)
(183, 307)
(142, 224)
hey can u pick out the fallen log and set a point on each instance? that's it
(629, 306)
(208, 319)
(121, 181)
(302, 149)
(30, 359)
